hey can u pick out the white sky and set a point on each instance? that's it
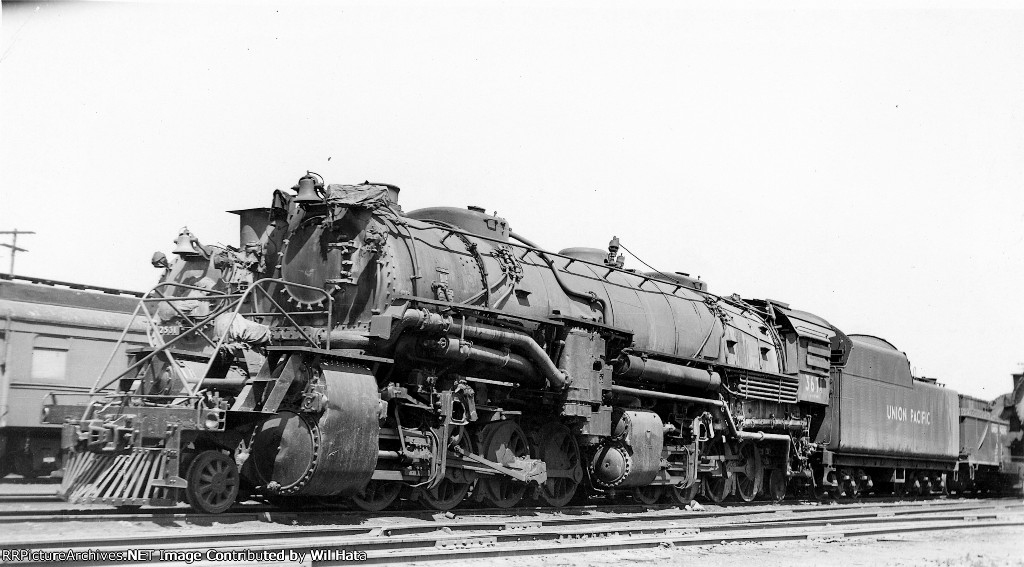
(864, 164)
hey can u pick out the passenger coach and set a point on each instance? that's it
(55, 338)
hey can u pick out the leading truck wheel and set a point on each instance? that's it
(212, 482)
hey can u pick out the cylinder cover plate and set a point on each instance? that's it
(333, 452)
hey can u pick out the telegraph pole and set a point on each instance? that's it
(14, 244)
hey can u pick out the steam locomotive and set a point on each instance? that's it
(349, 351)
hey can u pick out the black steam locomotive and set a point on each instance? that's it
(347, 350)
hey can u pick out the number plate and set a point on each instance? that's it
(169, 329)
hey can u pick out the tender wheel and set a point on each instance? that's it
(913, 485)
(558, 449)
(777, 483)
(684, 496)
(503, 442)
(899, 489)
(716, 488)
(748, 480)
(212, 482)
(377, 495)
(849, 486)
(647, 495)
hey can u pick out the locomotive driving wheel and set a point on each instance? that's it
(684, 496)
(503, 442)
(561, 455)
(716, 488)
(647, 495)
(449, 493)
(377, 495)
(749, 479)
(212, 482)
(777, 484)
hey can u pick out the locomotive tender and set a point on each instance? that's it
(349, 350)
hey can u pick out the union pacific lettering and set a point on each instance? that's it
(900, 413)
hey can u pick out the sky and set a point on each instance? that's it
(862, 162)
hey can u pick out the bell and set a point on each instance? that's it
(183, 245)
(307, 191)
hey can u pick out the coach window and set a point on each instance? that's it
(49, 359)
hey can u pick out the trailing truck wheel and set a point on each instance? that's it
(377, 495)
(561, 455)
(212, 482)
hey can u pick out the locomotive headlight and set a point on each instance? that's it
(212, 420)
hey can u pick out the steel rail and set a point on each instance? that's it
(382, 548)
(263, 512)
(510, 524)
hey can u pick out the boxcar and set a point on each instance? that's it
(983, 446)
(55, 338)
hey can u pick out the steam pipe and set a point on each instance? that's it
(565, 287)
(452, 348)
(348, 339)
(636, 368)
(432, 322)
(666, 396)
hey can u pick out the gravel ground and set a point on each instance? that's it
(999, 547)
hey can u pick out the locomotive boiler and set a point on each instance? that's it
(347, 350)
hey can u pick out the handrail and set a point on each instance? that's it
(232, 302)
(257, 286)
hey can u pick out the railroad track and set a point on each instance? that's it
(481, 537)
(266, 513)
(19, 498)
